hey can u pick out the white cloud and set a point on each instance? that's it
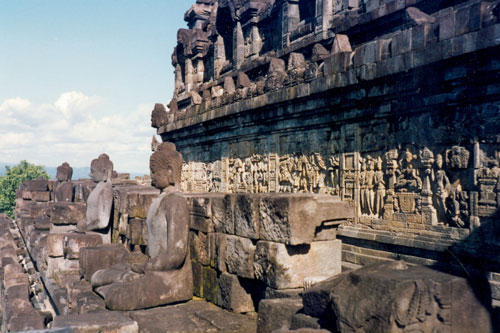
(75, 128)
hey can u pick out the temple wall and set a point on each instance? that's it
(392, 106)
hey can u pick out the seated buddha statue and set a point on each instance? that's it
(167, 276)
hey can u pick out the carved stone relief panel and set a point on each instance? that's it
(415, 185)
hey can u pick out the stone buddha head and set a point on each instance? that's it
(101, 169)
(64, 172)
(166, 166)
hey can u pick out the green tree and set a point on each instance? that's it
(11, 180)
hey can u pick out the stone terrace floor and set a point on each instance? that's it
(194, 316)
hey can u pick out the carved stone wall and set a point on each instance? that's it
(392, 106)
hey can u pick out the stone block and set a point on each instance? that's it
(136, 232)
(475, 16)
(447, 26)
(40, 196)
(418, 37)
(197, 279)
(23, 318)
(139, 204)
(372, 5)
(341, 44)
(37, 185)
(293, 219)
(300, 320)
(103, 322)
(338, 62)
(55, 243)
(275, 314)
(282, 293)
(235, 255)
(42, 223)
(74, 242)
(246, 215)
(67, 212)
(26, 195)
(462, 21)
(200, 210)
(32, 208)
(282, 266)
(233, 296)
(60, 266)
(200, 250)
(89, 302)
(93, 259)
(395, 294)
(123, 224)
(222, 213)
(210, 285)
(17, 291)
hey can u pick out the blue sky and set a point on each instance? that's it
(80, 77)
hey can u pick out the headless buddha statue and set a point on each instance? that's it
(100, 200)
(167, 276)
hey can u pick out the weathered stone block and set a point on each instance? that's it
(246, 215)
(89, 302)
(394, 295)
(200, 247)
(110, 322)
(32, 208)
(200, 209)
(40, 196)
(17, 291)
(300, 320)
(197, 279)
(341, 44)
(59, 265)
(67, 212)
(275, 314)
(55, 243)
(139, 204)
(123, 224)
(136, 232)
(282, 293)
(93, 259)
(372, 5)
(42, 223)
(74, 242)
(26, 195)
(233, 296)
(447, 26)
(462, 19)
(210, 285)
(235, 255)
(283, 267)
(23, 317)
(37, 185)
(293, 219)
(338, 62)
(222, 213)
(200, 212)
